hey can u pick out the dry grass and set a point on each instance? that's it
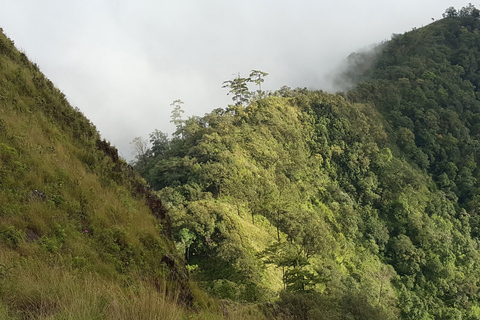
(32, 289)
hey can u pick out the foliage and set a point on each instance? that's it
(359, 205)
(239, 87)
(81, 235)
(355, 205)
(257, 197)
(425, 85)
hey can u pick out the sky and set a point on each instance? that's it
(122, 63)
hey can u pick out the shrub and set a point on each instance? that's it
(11, 236)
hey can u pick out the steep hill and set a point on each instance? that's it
(359, 205)
(284, 194)
(426, 84)
(81, 235)
(307, 205)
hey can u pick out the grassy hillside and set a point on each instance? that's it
(81, 235)
(76, 238)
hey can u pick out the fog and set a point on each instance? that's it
(123, 63)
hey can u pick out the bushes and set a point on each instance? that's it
(11, 236)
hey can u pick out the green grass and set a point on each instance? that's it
(76, 240)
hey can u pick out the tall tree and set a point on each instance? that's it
(140, 150)
(239, 89)
(176, 117)
(257, 77)
(177, 112)
(160, 142)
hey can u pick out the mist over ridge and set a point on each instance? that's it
(123, 64)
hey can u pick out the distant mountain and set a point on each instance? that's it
(358, 205)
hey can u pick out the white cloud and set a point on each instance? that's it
(123, 63)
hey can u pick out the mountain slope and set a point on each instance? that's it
(262, 198)
(364, 203)
(425, 84)
(81, 236)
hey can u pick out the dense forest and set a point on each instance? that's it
(363, 204)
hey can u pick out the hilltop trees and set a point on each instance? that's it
(361, 204)
(451, 12)
(257, 77)
(341, 211)
(428, 94)
(279, 162)
(177, 112)
(140, 149)
(239, 87)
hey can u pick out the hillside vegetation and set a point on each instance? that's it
(294, 204)
(81, 235)
(358, 205)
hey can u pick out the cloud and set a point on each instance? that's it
(123, 62)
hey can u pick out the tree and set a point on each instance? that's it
(451, 12)
(177, 113)
(295, 266)
(186, 240)
(239, 89)
(257, 76)
(140, 150)
(160, 143)
(468, 11)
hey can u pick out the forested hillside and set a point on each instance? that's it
(293, 204)
(358, 205)
(81, 234)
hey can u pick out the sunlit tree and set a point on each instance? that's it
(239, 89)
(257, 77)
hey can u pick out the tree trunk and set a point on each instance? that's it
(278, 221)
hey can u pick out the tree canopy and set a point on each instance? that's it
(356, 205)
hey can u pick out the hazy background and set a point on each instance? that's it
(123, 62)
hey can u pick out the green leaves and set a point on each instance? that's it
(239, 90)
(177, 113)
(239, 87)
(354, 202)
(257, 77)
